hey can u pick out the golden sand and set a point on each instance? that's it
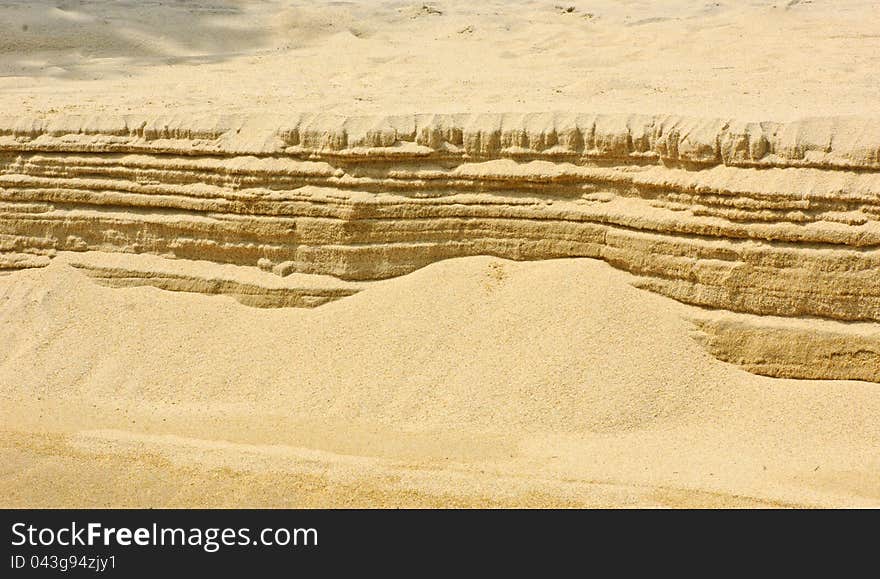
(291, 254)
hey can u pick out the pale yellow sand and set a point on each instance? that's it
(758, 60)
(473, 381)
(470, 382)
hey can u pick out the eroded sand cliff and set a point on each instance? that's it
(771, 219)
(229, 304)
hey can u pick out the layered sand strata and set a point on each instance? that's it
(774, 221)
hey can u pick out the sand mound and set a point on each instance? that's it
(454, 345)
(470, 381)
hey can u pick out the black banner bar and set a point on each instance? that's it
(131, 543)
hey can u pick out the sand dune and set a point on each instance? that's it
(408, 295)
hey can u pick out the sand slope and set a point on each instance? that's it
(472, 381)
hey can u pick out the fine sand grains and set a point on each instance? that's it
(527, 383)
(473, 381)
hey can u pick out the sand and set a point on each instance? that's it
(753, 60)
(290, 254)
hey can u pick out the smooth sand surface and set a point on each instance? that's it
(755, 60)
(474, 381)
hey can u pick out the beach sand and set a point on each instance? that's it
(474, 381)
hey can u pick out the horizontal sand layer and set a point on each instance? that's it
(833, 142)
